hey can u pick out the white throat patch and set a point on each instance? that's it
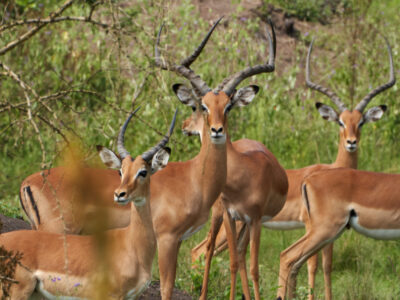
(140, 201)
(221, 139)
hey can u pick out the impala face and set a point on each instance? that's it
(212, 110)
(351, 122)
(135, 178)
(194, 123)
(135, 174)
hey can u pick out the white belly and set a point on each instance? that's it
(192, 230)
(379, 234)
(136, 292)
(283, 225)
(236, 216)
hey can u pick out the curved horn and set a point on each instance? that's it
(190, 59)
(120, 141)
(183, 69)
(148, 155)
(229, 85)
(335, 99)
(392, 80)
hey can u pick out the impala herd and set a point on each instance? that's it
(242, 183)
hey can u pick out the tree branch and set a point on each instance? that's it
(35, 29)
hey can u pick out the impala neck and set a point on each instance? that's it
(140, 238)
(212, 161)
(345, 159)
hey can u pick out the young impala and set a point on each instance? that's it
(255, 191)
(335, 200)
(181, 194)
(54, 265)
(289, 217)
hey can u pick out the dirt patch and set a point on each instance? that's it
(153, 293)
(11, 224)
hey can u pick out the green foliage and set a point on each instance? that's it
(311, 10)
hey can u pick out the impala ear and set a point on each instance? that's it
(245, 95)
(160, 159)
(185, 94)
(327, 112)
(109, 158)
(374, 114)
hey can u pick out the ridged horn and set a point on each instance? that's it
(148, 155)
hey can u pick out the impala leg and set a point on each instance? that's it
(230, 228)
(292, 255)
(168, 247)
(221, 242)
(243, 242)
(199, 249)
(255, 233)
(327, 253)
(312, 265)
(216, 223)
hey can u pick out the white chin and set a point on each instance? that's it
(351, 149)
(121, 201)
(218, 140)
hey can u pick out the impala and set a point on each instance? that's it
(289, 217)
(56, 265)
(255, 191)
(335, 200)
(181, 194)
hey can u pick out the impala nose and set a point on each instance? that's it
(351, 145)
(217, 130)
(352, 142)
(120, 195)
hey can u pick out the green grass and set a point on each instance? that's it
(283, 116)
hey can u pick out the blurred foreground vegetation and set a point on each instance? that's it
(81, 78)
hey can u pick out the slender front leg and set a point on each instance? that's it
(312, 265)
(327, 253)
(287, 258)
(168, 248)
(216, 222)
(255, 233)
(243, 242)
(230, 229)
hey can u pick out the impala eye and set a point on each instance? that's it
(228, 108)
(193, 108)
(204, 108)
(341, 123)
(142, 173)
(120, 173)
(361, 124)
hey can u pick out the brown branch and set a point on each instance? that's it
(17, 78)
(7, 105)
(56, 20)
(35, 29)
(25, 87)
(8, 279)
